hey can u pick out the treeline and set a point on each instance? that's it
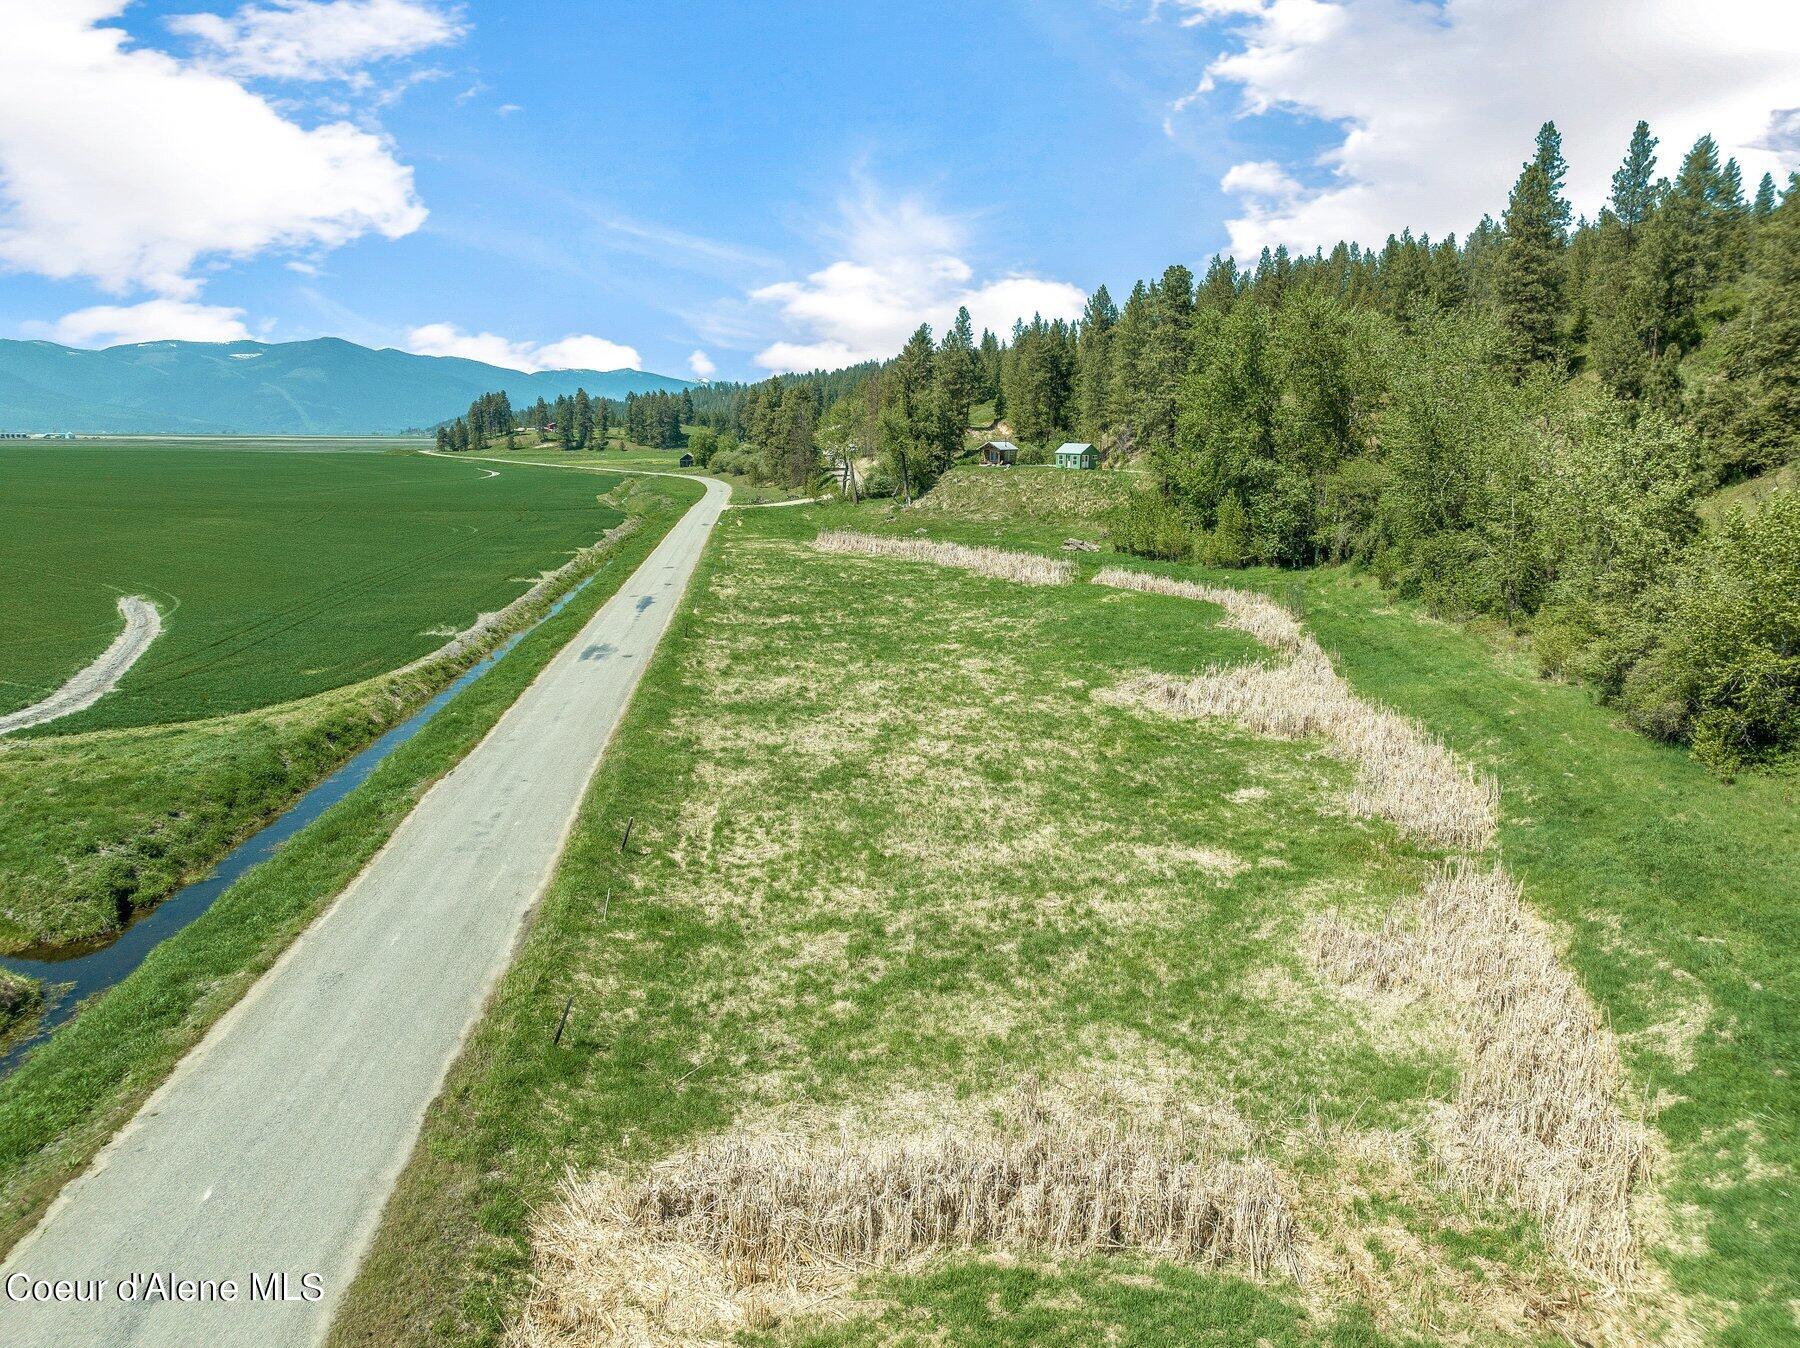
(656, 419)
(1520, 427)
(573, 421)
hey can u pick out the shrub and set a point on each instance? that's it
(1726, 671)
(1227, 543)
(1148, 525)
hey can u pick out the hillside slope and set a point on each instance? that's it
(322, 387)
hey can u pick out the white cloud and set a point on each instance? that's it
(901, 269)
(317, 39)
(1260, 178)
(128, 167)
(151, 321)
(702, 366)
(1438, 102)
(588, 353)
(576, 352)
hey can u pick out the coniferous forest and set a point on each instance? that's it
(1530, 425)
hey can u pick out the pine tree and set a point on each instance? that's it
(1166, 353)
(990, 367)
(1093, 362)
(958, 366)
(916, 427)
(582, 415)
(1447, 283)
(1764, 205)
(1549, 158)
(1220, 288)
(1528, 277)
(1125, 399)
(1634, 183)
(1754, 414)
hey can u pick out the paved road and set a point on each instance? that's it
(87, 686)
(273, 1146)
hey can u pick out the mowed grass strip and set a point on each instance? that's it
(279, 574)
(888, 843)
(73, 1092)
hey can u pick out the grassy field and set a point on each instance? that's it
(279, 574)
(75, 1090)
(1030, 494)
(1750, 493)
(879, 872)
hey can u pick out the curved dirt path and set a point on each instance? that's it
(143, 624)
(273, 1146)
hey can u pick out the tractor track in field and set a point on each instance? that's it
(143, 624)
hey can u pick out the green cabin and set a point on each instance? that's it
(1077, 454)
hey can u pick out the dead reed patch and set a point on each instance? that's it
(1403, 774)
(1246, 610)
(1025, 567)
(1536, 1120)
(750, 1227)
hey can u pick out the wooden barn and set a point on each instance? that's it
(685, 461)
(999, 454)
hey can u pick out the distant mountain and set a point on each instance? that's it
(323, 387)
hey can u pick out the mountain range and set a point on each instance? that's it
(326, 386)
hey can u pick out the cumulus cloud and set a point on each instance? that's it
(153, 320)
(702, 366)
(1783, 134)
(575, 352)
(317, 39)
(901, 268)
(129, 167)
(1438, 100)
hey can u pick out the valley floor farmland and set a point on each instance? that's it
(280, 574)
(291, 585)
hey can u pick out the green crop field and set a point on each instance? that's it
(279, 574)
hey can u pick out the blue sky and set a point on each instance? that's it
(777, 185)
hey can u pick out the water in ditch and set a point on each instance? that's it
(72, 975)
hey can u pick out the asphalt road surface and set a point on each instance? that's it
(272, 1147)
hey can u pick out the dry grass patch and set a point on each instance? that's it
(1403, 773)
(1246, 610)
(1536, 1120)
(1026, 567)
(751, 1227)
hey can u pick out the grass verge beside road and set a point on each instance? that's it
(73, 1092)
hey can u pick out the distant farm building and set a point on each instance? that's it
(999, 454)
(685, 461)
(1077, 454)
